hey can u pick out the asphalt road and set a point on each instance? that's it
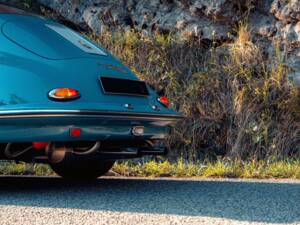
(25, 200)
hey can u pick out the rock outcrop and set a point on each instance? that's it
(274, 23)
(287, 23)
(206, 19)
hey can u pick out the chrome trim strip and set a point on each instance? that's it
(15, 114)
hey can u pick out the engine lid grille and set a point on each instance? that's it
(120, 86)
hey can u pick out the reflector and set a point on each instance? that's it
(164, 100)
(40, 145)
(75, 132)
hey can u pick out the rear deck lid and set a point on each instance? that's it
(48, 39)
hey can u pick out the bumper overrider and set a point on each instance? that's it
(55, 125)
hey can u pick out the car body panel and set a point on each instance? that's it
(53, 41)
(34, 59)
(57, 128)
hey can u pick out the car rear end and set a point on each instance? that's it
(61, 88)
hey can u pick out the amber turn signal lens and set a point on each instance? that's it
(64, 94)
(164, 100)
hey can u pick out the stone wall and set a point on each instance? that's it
(272, 22)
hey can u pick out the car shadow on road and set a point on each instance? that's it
(242, 201)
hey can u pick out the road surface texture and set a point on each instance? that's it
(42, 200)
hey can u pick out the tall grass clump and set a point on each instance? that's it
(264, 118)
(237, 102)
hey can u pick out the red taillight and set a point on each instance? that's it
(64, 94)
(164, 100)
(75, 132)
(40, 145)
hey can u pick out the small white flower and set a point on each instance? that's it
(255, 128)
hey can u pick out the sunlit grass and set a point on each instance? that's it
(10, 168)
(283, 169)
(289, 169)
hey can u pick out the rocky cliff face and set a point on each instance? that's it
(205, 19)
(272, 22)
(286, 27)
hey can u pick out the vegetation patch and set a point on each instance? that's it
(238, 103)
(10, 168)
(285, 169)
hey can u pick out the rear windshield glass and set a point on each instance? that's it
(76, 39)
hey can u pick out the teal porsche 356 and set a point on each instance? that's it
(66, 101)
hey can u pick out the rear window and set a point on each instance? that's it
(76, 39)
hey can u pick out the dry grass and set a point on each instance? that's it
(10, 168)
(237, 103)
(285, 169)
(289, 169)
